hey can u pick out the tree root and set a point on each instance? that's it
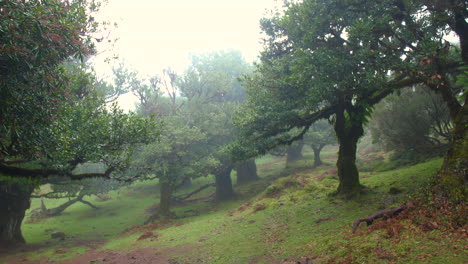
(388, 213)
(158, 216)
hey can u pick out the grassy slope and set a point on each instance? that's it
(297, 218)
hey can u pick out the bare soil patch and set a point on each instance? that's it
(150, 255)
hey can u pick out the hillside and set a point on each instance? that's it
(288, 216)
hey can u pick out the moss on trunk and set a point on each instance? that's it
(246, 171)
(452, 178)
(348, 129)
(14, 201)
(165, 199)
(224, 190)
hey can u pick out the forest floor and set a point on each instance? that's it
(288, 216)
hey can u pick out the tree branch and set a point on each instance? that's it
(185, 196)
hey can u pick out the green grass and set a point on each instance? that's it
(300, 219)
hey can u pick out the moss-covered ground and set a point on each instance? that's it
(286, 216)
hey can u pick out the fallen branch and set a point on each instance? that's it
(185, 196)
(380, 214)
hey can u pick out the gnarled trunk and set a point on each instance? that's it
(14, 201)
(165, 200)
(317, 149)
(348, 130)
(452, 179)
(246, 171)
(294, 152)
(224, 190)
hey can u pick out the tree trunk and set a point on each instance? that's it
(348, 130)
(224, 190)
(246, 171)
(294, 153)
(452, 178)
(165, 199)
(14, 201)
(317, 149)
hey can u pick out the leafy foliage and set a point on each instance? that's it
(53, 118)
(337, 59)
(416, 120)
(36, 37)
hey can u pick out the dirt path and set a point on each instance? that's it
(150, 255)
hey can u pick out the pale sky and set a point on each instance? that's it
(155, 34)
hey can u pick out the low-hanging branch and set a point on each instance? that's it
(186, 196)
(19, 172)
(59, 209)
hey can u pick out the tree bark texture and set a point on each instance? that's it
(348, 131)
(165, 200)
(294, 152)
(246, 171)
(452, 179)
(14, 201)
(224, 190)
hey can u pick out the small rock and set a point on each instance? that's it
(58, 235)
(146, 235)
(203, 238)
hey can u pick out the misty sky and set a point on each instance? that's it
(155, 34)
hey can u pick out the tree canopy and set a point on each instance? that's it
(337, 59)
(52, 116)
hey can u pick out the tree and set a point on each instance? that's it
(52, 119)
(416, 121)
(215, 75)
(76, 190)
(85, 130)
(451, 180)
(35, 39)
(332, 59)
(246, 171)
(180, 153)
(213, 92)
(320, 134)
